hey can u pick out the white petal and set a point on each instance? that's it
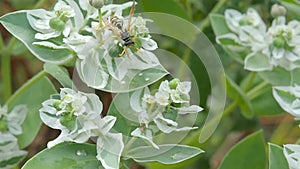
(16, 118)
(149, 44)
(190, 109)
(146, 135)
(47, 44)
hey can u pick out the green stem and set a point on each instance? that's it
(100, 17)
(6, 72)
(6, 66)
(185, 59)
(205, 23)
(27, 85)
(257, 90)
(250, 81)
(129, 144)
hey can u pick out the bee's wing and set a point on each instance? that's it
(111, 27)
(130, 15)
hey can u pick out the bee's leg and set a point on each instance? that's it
(123, 52)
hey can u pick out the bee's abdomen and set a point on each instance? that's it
(117, 22)
(125, 36)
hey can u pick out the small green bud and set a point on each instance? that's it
(278, 10)
(245, 21)
(174, 83)
(99, 3)
(279, 42)
(57, 24)
(56, 105)
(68, 121)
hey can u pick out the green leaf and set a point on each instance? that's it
(277, 159)
(265, 104)
(65, 156)
(17, 24)
(277, 77)
(171, 7)
(59, 73)
(166, 154)
(249, 153)
(292, 6)
(135, 79)
(218, 24)
(127, 120)
(17, 4)
(235, 93)
(220, 27)
(32, 94)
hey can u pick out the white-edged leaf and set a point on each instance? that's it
(166, 154)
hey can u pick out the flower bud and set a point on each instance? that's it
(174, 83)
(279, 42)
(56, 105)
(278, 10)
(68, 121)
(57, 24)
(99, 3)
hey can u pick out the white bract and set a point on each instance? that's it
(10, 126)
(78, 116)
(161, 111)
(10, 154)
(288, 97)
(292, 154)
(10, 122)
(248, 30)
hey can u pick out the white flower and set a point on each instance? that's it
(70, 115)
(284, 43)
(51, 24)
(11, 122)
(292, 154)
(160, 109)
(249, 28)
(162, 98)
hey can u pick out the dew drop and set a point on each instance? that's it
(123, 82)
(140, 74)
(81, 153)
(178, 156)
(147, 79)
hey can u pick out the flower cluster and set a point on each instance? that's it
(106, 49)
(78, 116)
(265, 48)
(160, 111)
(10, 127)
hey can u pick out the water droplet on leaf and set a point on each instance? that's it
(147, 79)
(81, 153)
(140, 74)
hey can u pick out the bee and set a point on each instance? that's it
(116, 25)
